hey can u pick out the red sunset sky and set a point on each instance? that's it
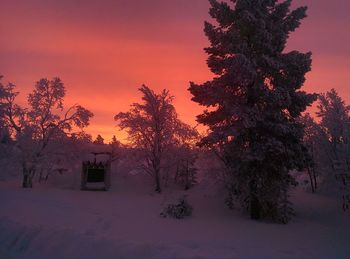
(105, 49)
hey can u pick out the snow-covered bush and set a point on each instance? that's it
(179, 210)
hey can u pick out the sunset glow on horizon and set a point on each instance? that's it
(105, 50)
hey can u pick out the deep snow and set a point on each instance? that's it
(62, 222)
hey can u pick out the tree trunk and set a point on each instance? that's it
(315, 178)
(157, 178)
(156, 170)
(255, 208)
(27, 181)
(28, 175)
(176, 172)
(311, 179)
(187, 180)
(41, 177)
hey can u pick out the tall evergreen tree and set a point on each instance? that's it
(254, 100)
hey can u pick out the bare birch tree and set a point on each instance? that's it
(152, 127)
(45, 121)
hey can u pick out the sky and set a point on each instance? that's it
(104, 50)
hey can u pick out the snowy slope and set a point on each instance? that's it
(52, 222)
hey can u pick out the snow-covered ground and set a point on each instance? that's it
(57, 222)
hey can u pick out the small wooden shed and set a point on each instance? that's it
(96, 172)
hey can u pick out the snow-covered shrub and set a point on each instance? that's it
(179, 210)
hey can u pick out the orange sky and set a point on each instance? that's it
(104, 50)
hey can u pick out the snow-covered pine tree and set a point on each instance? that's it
(116, 149)
(99, 140)
(335, 123)
(335, 128)
(255, 99)
(114, 141)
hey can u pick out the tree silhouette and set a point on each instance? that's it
(36, 128)
(153, 127)
(335, 121)
(255, 100)
(99, 140)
